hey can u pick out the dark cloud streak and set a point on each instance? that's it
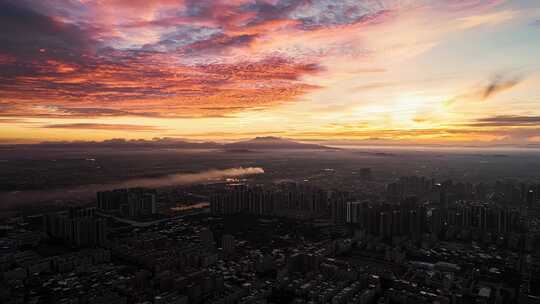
(500, 83)
(105, 127)
(507, 121)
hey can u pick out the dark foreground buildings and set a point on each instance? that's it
(418, 241)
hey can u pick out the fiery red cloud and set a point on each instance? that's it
(144, 84)
(160, 58)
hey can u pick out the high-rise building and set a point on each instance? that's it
(286, 199)
(531, 197)
(132, 202)
(354, 212)
(385, 224)
(228, 243)
(79, 227)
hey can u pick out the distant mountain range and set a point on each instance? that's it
(137, 143)
(271, 143)
(258, 143)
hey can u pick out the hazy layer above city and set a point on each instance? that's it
(62, 172)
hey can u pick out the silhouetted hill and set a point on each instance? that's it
(137, 143)
(258, 143)
(271, 142)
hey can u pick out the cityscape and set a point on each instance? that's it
(269, 152)
(248, 239)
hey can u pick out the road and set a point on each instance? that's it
(148, 224)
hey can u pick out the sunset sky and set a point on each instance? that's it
(359, 71)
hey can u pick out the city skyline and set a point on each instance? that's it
(387, 71)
